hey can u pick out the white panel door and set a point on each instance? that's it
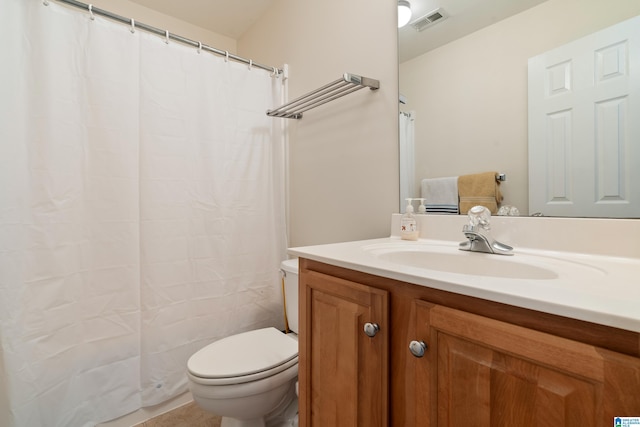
(584, 126)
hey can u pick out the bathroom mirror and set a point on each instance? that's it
(463, 79)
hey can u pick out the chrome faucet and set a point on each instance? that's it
(477, 233)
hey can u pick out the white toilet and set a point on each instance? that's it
(250, 378)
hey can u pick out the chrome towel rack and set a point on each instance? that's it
(347, 84)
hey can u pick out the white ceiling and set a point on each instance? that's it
(234, 18)
(464, 17)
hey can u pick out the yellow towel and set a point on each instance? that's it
(479, 189)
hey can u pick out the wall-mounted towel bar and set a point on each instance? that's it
(334, 90)
(501, 177)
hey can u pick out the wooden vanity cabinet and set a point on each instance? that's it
(342, 370)
(486, 364)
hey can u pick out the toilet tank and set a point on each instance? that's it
(290, 269)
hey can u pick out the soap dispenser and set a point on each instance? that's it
(409, 224)
(422, 209)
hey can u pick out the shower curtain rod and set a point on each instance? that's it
(160, 32)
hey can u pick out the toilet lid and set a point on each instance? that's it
(244, 354)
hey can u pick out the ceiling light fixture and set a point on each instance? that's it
(404, 13)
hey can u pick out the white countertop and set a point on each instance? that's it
(591, 287)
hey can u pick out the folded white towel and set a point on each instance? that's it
(441, 194)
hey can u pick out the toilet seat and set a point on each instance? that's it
(245, 357)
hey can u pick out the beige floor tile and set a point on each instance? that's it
(189, 415)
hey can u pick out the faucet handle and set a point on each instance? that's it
(480, 216)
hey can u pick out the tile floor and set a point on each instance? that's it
(189, 415)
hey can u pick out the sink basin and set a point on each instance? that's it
(451, 260)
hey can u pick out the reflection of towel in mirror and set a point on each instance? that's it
(479, 189)
(440, 194)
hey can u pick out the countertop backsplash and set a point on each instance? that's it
(596, 236)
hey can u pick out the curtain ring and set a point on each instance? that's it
(250, 64)
(166, 36)
(199, 47)
(226, 56)
(93, 18)
(133, 26)
(275, 72)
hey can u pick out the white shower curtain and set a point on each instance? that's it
(407, 158)
(141, 213)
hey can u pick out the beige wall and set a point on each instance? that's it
(159, 20)
(343, 155)
(470, 96)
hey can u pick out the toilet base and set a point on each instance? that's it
(284, 415)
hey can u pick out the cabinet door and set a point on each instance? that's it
(483, 372)
(343, 372)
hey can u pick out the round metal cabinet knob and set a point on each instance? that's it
(417, 348)
(371, 329)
